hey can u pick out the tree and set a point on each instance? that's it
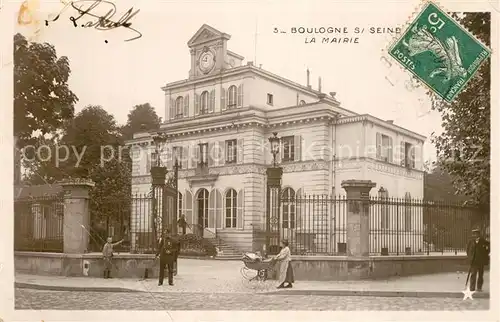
(42, 98)
(438, 186)
(141, 118)
(464, 146)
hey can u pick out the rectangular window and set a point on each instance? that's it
(204, 153)
(151, 161)
(288, 148)
(177, 155)
(270, 99)
(386, 148)
(409, 156)
(231, 150)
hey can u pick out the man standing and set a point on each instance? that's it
(182, 223)
(166, 251)
(478, 253)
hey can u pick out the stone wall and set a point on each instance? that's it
(325, 268)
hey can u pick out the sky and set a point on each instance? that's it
(118, 75)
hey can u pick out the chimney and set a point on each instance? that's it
(319, 84)
(260, 66)
(308, 83)
(390, 121)
(250, 63)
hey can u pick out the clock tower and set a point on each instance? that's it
(208, 48)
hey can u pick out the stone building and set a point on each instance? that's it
(218, 121)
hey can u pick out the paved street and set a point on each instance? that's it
(64, 300)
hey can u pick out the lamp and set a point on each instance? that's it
(275, 146)
(159, 139)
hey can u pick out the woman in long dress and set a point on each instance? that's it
(284, 259)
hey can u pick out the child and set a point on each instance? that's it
(107, 253)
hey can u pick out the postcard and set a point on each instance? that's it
(221, 160)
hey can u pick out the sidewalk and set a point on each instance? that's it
(196, 276)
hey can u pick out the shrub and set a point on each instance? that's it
(195, 245)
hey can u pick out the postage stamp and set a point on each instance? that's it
(439, 52)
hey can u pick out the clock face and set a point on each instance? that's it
(206, 61)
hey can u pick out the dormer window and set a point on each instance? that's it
(270, 99)
(232, 96)
(204, 103)
(179, 107)
(302, 102)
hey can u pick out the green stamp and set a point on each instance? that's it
(439, 52)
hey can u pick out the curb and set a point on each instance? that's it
(409, 294)
(75, 289)
(423, 294)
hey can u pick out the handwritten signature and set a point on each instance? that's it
(105, 22)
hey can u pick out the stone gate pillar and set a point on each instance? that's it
(76, 228)
(358, 224)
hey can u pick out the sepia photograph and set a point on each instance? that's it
(263, 156)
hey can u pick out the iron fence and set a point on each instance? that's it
(131, 219)
(314, 224)
(38, 224)
(317, 225)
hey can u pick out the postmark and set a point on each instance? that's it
(439, 52)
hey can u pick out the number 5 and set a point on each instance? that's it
(432, 20)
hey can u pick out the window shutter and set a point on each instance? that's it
(222, 152)
(196, 104)
(298, 209)
(192, 156)
(210, 154)
(240, 95)
(389, 152)
(148, 161)
(211, 104)
(239, 151)
(185, 154)
(197, 154)
(188, 197)
(281, 153)
(186, 105)
(378, 145)
(169, 157)
(297, 145)
(219, 210)
(412, 156)
(172, 108)
(211, 208)
(402, 154)
(239, 209)
(223, 99)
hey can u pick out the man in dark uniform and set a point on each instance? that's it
(166, 251)
(478, 254)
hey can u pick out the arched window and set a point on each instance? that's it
(179, 205)
(204, 103)
(407, 211)
(232, 96)
(231, 208)
(302, 102)
(202, 202)
(179, 107)
(288, 208)
(383, 194)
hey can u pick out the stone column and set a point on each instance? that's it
(358, 225)
(76, 215)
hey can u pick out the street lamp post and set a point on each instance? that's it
(275, 146)
(274, 175)
(158, 174)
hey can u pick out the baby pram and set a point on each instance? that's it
(255, 262)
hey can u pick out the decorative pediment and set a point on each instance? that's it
(206, 33)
